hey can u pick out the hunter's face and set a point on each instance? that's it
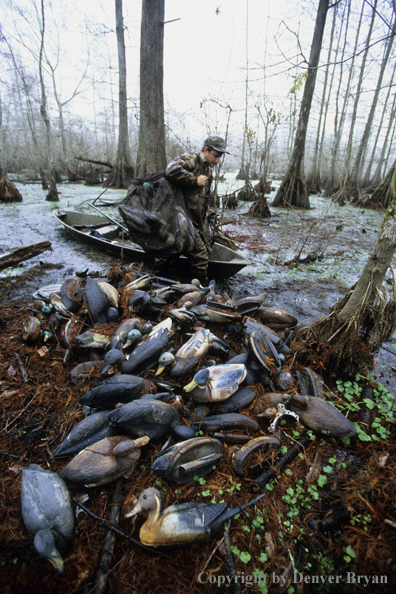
(212, 157)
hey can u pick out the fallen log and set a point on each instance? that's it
(102, 573)
(24, 253)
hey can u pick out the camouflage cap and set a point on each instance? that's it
(217, 143)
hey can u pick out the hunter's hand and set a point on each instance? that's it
(202, 180)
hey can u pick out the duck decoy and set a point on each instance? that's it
(145, 417)
(147, 352)
(250, 304)
(194, 297)
(143, 282)
(138, 301)
(216, 383)
(47, 513)
(240, 458)
(90, 430)
(93, 340)
(31, 329)
(112, 357)
(311, 384)
(103, 461)
(133, 339)
(95, 301)
(236, 402)
(57, 304)
(112, 391)
(284, 380)
(119, 337)
(194, 457)
(216, 315)
(83, 370)
(321, 416)
(277, 318)
(71, 293)
(188, 355)
(181, 524)
(111, 293)
(226, 422)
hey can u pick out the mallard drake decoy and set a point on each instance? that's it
(112, 391)
(145, 417)
(216, 383)
(103, 461)
(90, 430)
(119, 337)
(182, 524)
(193, 457)
(147, 352)
(47, 512)
(188, 355)
(226, 422)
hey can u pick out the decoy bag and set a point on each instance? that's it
(157, 217)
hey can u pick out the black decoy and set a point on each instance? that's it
(90, 430)
(182, 524)
(145, 417)
(47, 512)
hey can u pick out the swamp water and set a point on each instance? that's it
(339, 240)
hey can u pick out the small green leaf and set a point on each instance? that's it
(245, 557)
(351, 552)
(322, 480)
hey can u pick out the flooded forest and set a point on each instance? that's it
(228, 433)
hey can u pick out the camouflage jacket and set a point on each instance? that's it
(184, 171)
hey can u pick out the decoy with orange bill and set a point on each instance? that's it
(181, 524)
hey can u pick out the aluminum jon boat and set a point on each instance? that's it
(99, 231)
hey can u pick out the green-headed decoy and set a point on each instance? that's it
(120, 335)
(182, 524)
(216, 383)
(47, 512)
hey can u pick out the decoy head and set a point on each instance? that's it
(44, 543)
(164, 360)
(149, 500)
(133, 337)
(200, 380)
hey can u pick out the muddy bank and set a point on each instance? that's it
(337, 238)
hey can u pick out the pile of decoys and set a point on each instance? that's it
(141, 395)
